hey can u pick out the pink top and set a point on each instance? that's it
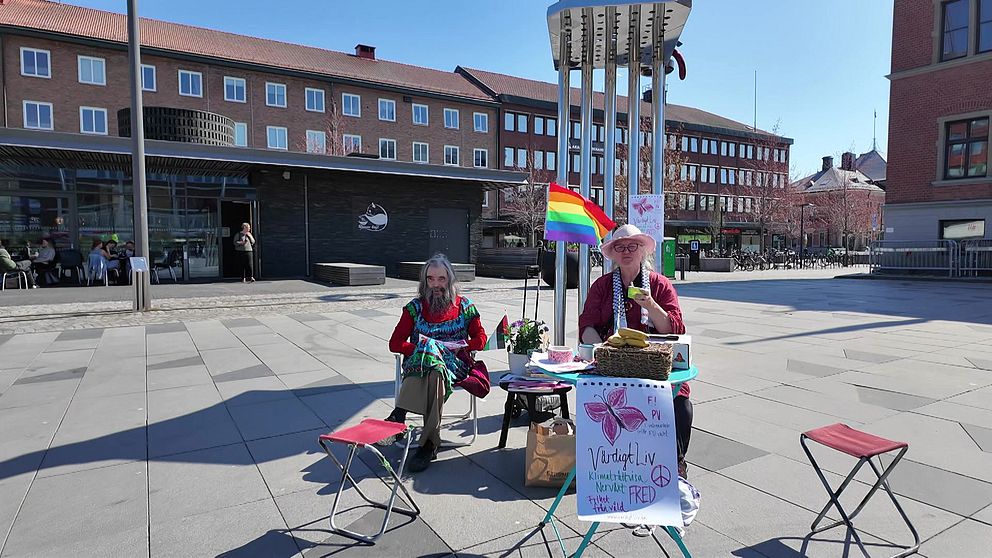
(598, 311)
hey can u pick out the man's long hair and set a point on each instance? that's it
(450, 294)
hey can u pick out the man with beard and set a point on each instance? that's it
(436, 333)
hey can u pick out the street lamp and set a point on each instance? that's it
(802, 234)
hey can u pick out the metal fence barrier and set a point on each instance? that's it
(919, 256)
(976, 258)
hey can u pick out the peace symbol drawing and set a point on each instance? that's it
(661, 475)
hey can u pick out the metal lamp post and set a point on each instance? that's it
(802, 234)
(142, 290)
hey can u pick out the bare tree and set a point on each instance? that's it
(765, 179)
(526, 206)
(674, 184)
(333, 128)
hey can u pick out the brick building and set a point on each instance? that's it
(939, 184)
(64, 81)
(720, 161)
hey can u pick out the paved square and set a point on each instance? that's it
(191, 431)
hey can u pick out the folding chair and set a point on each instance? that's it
(473, 410)
(363, 436)
(864, 446)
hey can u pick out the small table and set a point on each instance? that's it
(531, 395)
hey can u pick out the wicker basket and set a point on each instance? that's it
(653, 362)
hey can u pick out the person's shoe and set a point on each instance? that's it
(683, 468)
(422, 459)
(386, 442)
(251, 280)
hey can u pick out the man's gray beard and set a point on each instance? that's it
(438, 303)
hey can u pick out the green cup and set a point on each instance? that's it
(633, 291)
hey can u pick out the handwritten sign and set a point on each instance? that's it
(626, 465)
(647, 212)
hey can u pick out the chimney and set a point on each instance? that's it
(646, 96)
(365, 51)
(847, 161)
(828, 162)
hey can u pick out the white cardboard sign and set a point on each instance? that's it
(626, 466)
(647, 212)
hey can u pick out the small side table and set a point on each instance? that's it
(531, 395)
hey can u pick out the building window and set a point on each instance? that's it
(451, 118)
(351, 105)
(420, 113)
(421, 152)
(275, 95)
(387, 149)
(93, 120)
(549, 160)
(509, 122)
(234, 89)
(36, 62)
(539, 160)
(521, 158)
(148, 81)
(551, 126)
(92, 70)
(576, 130)
(955, 29)
(967, 148)
(480, 122)
(316, 142)
(522, 123)
(277, 137)
(480, 158)
(387, 110)
(706, 147)
(539, 125)
(352, 143)
(731, 149)
(508, 159)
(723, 176)
(485, 199)
(38, 116)
(576, 162)
(451, 155)
(694, 145)
(621, 135)
(984, 26)
(190, 83)
(241, 134)
(314, 99)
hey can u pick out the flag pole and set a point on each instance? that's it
(564, 110)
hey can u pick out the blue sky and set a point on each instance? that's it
(821, 66)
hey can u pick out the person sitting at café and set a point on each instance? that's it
(7, 264)
(436, 334)
(608, 308)
(44, 262)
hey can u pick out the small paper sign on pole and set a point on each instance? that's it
(626, 464)
(139, 264)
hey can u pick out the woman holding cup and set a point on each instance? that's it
(635, 297)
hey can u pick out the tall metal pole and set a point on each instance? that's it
(564, 110)
(610, 119)
(658, 123)
(633, 109)
(142, 292)
(802, 236)
(585, 147)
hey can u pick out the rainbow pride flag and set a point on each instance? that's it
(573, 218)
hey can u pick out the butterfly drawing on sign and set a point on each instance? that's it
(614, 414)
(643, 206)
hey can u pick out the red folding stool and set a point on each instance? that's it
(864, 446)
(363, 436)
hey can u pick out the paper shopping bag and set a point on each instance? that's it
(550, 453)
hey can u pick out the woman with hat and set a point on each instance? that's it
(608, 308)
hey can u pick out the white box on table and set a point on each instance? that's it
(681, 349)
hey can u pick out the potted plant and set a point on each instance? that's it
(526, 336)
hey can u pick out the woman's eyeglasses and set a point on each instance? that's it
(631, 248)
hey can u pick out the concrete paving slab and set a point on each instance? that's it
(219, 361)
(253, 390)
(286, 358)
(313, 383)
(981, 436)
(170, 327)
(211, 334)
(176, 342)
(408, 537)
(984, 516)
(250, 529)
(28, 394)
(530, 542)
(940, 488)
(192, 483)
(826, 404)
(98, 509)
(178, 377)
(867, 356)
(294, 462)
(968, 538)
(247, 373)
(108, 376)
(714, 453)
(959, 413)
(7, 378)
(981, 398)
(345, 406)
(274, 418)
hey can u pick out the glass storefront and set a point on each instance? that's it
(75, 206)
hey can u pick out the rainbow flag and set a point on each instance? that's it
(573, 218)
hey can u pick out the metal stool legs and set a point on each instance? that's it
(412, 511)
(846, 519)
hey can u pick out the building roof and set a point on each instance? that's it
(502, 85)
(833, 179)
(872, 164)
(66, 19)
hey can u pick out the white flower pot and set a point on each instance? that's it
(518, 363)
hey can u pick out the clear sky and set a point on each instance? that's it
(821, 65)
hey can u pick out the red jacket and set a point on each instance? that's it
(598, 311)
(399, 342)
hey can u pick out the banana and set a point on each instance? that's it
(616, 341)
(628, 333)
(636, 343)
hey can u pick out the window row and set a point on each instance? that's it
(708, 202)
(39, 116)
(351, 105)
(743, 177)
(517, 157)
